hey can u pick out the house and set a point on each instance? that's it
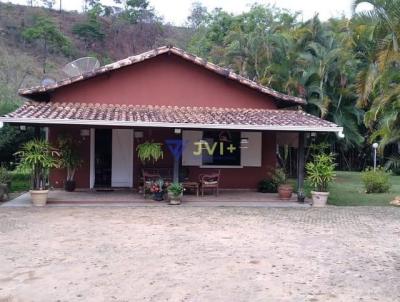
(168, 95)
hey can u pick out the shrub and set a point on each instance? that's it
(279, 177)
(267, 186)
(5, 176)
(376, 181)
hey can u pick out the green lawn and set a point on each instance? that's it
(348, 190)
(20, 182)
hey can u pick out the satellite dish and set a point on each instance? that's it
(81, 66)
(47, 81)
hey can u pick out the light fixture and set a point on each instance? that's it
(138, 134)
(1, 125)
(177, 131)
(85, 132)
(22, 127)
(375, 146)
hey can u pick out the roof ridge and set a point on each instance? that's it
(118, 105)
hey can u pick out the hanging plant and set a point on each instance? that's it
(150, 151)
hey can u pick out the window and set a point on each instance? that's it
(221, 148)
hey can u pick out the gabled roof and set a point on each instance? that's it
(34, 91)
(167, 116)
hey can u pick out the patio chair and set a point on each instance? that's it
(210, 181)
(148, 179)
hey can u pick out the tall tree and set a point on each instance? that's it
(198, 15)
(45, 31)
(136, 11)
(90, 31)
(378, 84)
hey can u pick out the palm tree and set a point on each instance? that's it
(378, 83)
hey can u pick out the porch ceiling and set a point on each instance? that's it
(167, 116)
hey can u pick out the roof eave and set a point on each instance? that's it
(39, 121)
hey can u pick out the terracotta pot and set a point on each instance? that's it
(285, 191)
(70, 185)
(174, 200)
(39, 197)
(319, 199)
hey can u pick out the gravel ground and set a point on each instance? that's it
(199, 254)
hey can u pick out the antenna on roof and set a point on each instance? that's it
(47, 81)
(81, 66)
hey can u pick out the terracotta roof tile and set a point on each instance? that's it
(27, 92)
(141, 114)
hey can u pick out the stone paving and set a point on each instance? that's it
(199, 254)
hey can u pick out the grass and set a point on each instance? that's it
(20, 181)
(348, 190)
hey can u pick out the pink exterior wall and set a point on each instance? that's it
(164, 80)
(238, 178)
(82, 177)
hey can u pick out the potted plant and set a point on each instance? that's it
(266, 186)
(69, 160)
(175, 193)
(150, 151)
(320, 173)
(38, 156)
(157, 188)
(5, 182)
(279, 178)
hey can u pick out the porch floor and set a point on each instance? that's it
(239, 198)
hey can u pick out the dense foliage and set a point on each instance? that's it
(347, 69)
(376, 181)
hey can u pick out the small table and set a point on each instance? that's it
(191, 185)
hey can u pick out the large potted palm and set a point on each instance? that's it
(69, 160)
(320, 173)
(38, 156)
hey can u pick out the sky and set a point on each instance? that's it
(176, 11)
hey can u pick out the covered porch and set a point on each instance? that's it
(226, 198)
(239, 142)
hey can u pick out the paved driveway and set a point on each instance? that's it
(199, 254)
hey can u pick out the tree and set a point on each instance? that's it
(48, 3)
(45, 31)
(198, 16)
(136, 11)
(378, 85)
(90, 31)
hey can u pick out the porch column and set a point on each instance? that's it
(300, 166)
(176, 169)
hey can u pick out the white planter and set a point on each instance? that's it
(319, 199)
(174, 200)
(39, 197)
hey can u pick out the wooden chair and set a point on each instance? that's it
(148, 179)
(210, 181)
